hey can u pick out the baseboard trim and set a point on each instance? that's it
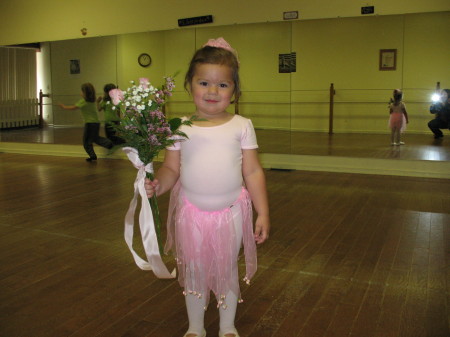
(395, 167)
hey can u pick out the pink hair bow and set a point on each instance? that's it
(220, 43)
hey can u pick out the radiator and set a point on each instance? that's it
(19, 113)
(18, 95)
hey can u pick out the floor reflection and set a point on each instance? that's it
(417, 147)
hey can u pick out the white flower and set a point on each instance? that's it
(127, 103)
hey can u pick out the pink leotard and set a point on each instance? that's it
(211, 162)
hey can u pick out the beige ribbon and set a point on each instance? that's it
(146, 223)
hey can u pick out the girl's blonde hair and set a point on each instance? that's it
(398, 96)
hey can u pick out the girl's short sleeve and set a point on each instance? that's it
(248, 138)
(174, 147)
(177, 145)
(81, 103)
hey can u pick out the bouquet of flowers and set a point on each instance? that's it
(146, 132)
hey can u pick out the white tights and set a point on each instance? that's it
(196, 313)
(196, 306)
(395, 135)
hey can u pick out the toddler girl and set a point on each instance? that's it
(398, 117)
(210, 211)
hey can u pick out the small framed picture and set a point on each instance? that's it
(388, 59)
(74, 67)
(287, 63)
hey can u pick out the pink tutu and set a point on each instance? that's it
(397, 120)
(205, 246)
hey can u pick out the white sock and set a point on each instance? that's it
(228, 315)
(196, 313)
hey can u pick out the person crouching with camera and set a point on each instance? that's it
(441, 109)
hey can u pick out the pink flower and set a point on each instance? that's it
(116, 96)
(144, 82)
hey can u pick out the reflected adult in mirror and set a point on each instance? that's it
(441, 109)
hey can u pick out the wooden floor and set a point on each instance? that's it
(418, 146)
(349, 255)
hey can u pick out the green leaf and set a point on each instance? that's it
(174, 124)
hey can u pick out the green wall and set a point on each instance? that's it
(26, 21)
(342, 51)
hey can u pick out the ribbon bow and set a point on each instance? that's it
(146, 223)
(221, 43)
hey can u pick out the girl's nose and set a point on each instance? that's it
(212, 89)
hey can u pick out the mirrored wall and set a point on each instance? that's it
(329, 76)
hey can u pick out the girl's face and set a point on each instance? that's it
(212, 89)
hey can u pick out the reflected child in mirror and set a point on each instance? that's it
(398, 117)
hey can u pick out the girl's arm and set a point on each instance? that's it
(255, 181)
(405, 113)
(99, 101)
(167, 175)
(68, 107)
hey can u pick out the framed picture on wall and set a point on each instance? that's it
(388, 59)
(74, 67)
(287, 63)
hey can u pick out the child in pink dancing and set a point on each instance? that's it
(210, 211)
(398, 117)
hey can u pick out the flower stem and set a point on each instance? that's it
(156, 215)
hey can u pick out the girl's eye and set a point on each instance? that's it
(203, 83)
(223, 85)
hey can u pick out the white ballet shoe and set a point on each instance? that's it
(233, 332)
(194, 333)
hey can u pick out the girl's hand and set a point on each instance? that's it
(151, 187)
(262, 228)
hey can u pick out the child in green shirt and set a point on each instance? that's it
(111, 116)
(91, 122)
